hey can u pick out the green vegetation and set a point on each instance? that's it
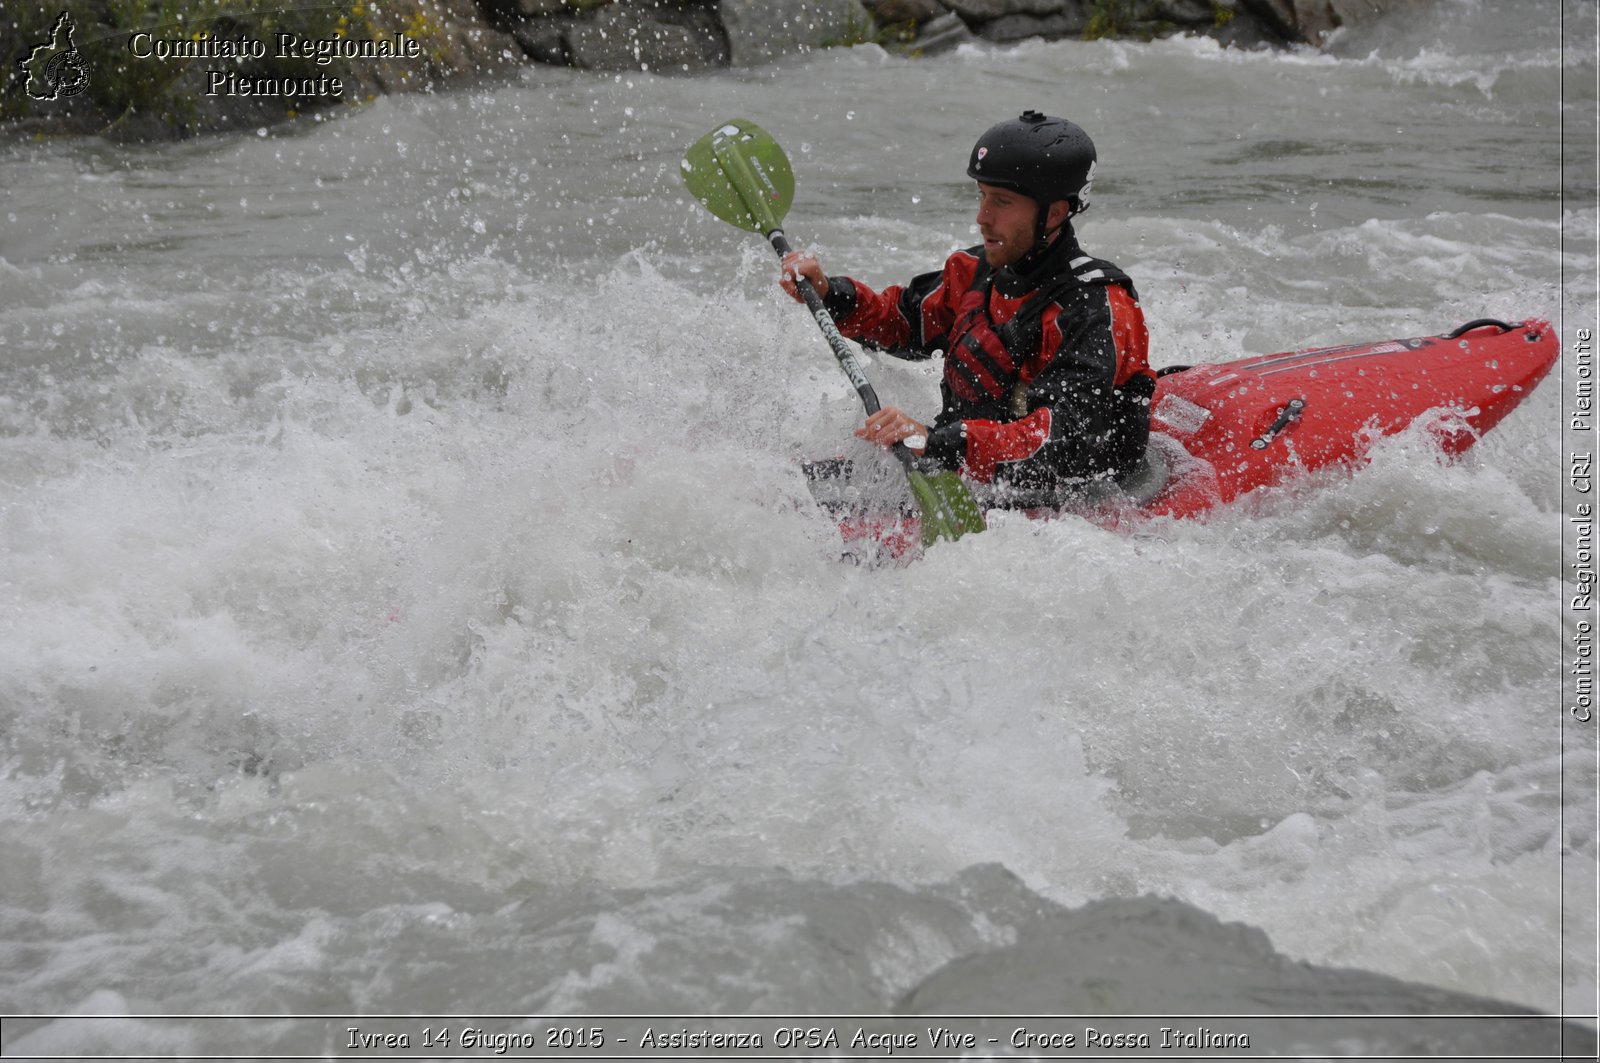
(1124, 18)
(858, 31)
(1110, 18)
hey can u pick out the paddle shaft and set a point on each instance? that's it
(841, 350)
(742, 176)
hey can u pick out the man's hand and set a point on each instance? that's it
(890, 426)
(798, 262)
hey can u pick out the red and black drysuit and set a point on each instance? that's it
(1046, 384)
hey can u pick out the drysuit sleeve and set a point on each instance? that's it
(911, 321)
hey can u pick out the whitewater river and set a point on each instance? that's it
(410, 602)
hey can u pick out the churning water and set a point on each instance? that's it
(412, 602)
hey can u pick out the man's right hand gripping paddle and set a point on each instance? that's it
(743, 177)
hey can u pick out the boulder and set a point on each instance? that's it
(645, 36)
(459, 48)
(628, 35)
(1312, 21)
(989, 10)
(1276, 15)
(1245, 32)
(1006, 28)
(902, 12)
(508, 13)
(546, 8)
(543, 41)
(1185, 13)
(1318, 18)
(943, 34)
(761, 30)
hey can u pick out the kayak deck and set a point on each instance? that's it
(1256, 421)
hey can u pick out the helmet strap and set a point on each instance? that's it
(1042, 237)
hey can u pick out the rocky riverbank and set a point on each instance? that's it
(84, 67)
(692, 35)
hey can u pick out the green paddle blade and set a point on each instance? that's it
(948, 509)
(742, 176)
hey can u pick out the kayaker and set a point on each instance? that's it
(1046, 386)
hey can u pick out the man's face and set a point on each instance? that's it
(1005, 220)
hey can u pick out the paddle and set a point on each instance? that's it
(743, 177)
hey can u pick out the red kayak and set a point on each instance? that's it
(1220, 431)
(1256, 421)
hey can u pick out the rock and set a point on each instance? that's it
(1019, 27)
(1245, 33)
(1318, 18)
(546, 8)
(1184, 13)
(762, 30)
(1311, 21)
(989, 10)
(943, 34)
(628, 35)
(543, 41)
(1276, 15)
(644, 36)
(457, 46)
(901, 12)
(508, 13)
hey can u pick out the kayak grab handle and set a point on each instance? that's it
(1286, 417)
(1482, 322)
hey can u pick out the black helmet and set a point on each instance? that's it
(1042, 157)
